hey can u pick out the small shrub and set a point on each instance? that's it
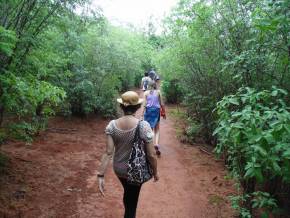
(22, 131)
(193, 130)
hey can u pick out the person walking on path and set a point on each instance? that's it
(120, 139)
(153, 106)
(153, 75)
(145, 81)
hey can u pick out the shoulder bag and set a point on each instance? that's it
(139, 169)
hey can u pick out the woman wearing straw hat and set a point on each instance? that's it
(151, 113)
(120, 138)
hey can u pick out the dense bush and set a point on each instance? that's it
(212, 48)
(54, 58)
(172, 91)
(254, 134)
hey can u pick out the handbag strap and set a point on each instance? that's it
(137, 132)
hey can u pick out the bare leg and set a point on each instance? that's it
(156, 134)
(156, 139)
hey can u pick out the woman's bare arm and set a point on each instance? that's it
(144, 103)
(107, 156)
(160, 98)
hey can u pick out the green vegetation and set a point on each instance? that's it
(254, 134)
(227, 61)
(54, 58)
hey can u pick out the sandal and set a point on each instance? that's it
(158, 153)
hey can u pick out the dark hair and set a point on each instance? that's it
(146, 73)
(130, 109)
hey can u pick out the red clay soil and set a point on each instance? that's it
(55, 177)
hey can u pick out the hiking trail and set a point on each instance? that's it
(55, 176)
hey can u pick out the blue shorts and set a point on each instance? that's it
(152, 116)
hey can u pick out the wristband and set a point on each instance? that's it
(100, 176)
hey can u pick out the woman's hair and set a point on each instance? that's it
(152, 85)
(130, 109)
(146, 74)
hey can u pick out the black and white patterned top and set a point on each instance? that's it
(123, 142)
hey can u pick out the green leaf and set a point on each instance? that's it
(234, 101)
(260, 150)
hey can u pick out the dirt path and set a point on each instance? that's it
(55, 177)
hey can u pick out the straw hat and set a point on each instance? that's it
(130, 98)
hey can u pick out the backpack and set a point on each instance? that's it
(152, 75)
(139, 169)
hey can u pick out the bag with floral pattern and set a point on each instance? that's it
(139, 169)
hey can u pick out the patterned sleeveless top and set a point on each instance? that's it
(123, 142)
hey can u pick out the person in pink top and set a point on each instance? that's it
(151, 113)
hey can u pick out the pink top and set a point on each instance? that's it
(152, 99)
